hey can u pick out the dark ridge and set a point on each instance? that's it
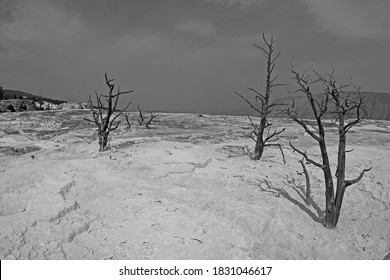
(18, 94)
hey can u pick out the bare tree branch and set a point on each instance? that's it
(249, 103)
(354, 181)
(127, 120)
(280, 148)
(304, 154)
(141, 120)
(258, 94)
(149, 122)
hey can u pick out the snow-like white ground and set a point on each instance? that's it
(185, 189)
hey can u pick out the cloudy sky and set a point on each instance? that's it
(187, 55)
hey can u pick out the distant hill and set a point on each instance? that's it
(17, 94)
(377, 104)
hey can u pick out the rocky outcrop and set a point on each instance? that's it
(72, 105)
(44, 105)
(17, 105)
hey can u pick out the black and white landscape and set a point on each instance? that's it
(127, 129)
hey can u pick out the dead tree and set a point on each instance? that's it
(143, 121)
(345, 111)
(151, 119)
(104, 114)
(127, 115)
(262, 134)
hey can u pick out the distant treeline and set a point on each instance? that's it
(17, 94)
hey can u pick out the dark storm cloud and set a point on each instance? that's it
(185, 55)
(353, 19)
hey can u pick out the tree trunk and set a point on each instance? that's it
(330, 209)
(340, 190)
(259, 149)
(103, 140)
(339, 202)
(259, 146)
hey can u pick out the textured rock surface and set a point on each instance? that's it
(17, 105)
(184, 189)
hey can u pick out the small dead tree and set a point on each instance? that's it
(104, 115)
(127, 115)
(262, 134)
(151, 119)
(143, 121)
(346, 111)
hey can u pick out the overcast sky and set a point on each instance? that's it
(187, 55)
